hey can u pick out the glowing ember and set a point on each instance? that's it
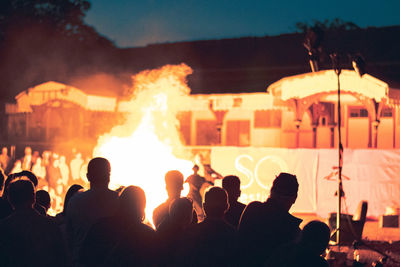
(148, 145)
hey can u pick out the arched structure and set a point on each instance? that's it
(316, 94)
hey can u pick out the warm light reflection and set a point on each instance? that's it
(148, 145)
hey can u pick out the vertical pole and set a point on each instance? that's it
(314, 129)
(340, 159)
(297, 123)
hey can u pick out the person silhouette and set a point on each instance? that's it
(5, 206)
(84, 209)
(122, 239)
(212, 242)
(196, 184)
(29, 239)
(172, 230)
(43, 199)
(5, 160)
(231, 184)
(314, 240)
(265, 226)
(174, 187)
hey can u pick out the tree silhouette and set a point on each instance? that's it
(326, 25)
(44, 40)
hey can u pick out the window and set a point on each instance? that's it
(207, 133)
(238, 133)
(237, 102)
(386, 113)
(267, 118)
(356, 112)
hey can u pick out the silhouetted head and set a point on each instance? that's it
(27, 175)
(174, 184)
(21, 194)
(132, 203)
(231, 184)
(28, 151)
(284, 189)
(98, 172)
(30, 176)
(195, 169)
(315, 237)
(215, 202)
(72, 190)
(181, 212)
(43, 199)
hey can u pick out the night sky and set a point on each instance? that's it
(137, 23)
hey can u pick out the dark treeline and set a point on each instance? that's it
(42, 40)
(252, 63)
(48, 40)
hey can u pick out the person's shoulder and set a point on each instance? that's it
(46, 222)
(240, 205)
(160, 211)
(142, 230)
(112, 193)
(228, 227)
(160, 208)
(79, 196)
(295, 220)
(251, 212)
(147, 228)
(254, 205)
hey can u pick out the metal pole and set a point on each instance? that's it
(340, 159)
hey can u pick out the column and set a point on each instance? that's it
(375, 125)
(297, 123)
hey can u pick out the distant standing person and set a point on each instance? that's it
(27, 159)
(196, 182)
(76, 165)
(40, 171)
(5, 160)
(64, 170)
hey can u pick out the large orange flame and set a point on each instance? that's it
(148, 145)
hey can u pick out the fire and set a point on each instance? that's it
(148, 145)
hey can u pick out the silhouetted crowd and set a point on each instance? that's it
(102, 227)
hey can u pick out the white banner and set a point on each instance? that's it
(370, 175)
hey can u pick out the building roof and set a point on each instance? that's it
(54, 91)
(306, 84)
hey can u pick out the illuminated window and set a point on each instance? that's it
(238, 133)
(356, 112)
(387, 113)
(237, 102)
